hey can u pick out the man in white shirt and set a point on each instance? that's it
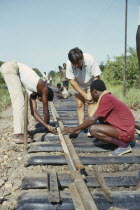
(17, 75)
(81, 70)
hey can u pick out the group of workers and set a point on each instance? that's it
(110, 120)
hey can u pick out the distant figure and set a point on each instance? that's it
(81, 70)
(17, 75)
(45, 76)
(50, 80)
(64, 79)
(117, 124)
(62, 92)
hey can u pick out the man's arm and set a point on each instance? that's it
(90, 121)
(79, 90)
(97, 77)
(45, 105)
(35, 114)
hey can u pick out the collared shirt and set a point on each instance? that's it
(83, 77)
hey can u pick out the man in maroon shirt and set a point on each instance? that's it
(117, 124)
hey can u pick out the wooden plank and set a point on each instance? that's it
(53, 189)
(60, 160)
(66, 151)
(75, 197)
(81, 147)
(65, 180)
(83, 191)
(70, 153)
(121, 199)
(89, 203)
(102, 183)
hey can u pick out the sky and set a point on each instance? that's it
(40, 33)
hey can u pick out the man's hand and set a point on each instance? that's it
(52, 129)
(68, 130)
(88, 98)
(73, 134)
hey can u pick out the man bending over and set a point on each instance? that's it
(17, 75)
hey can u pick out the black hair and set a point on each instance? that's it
(50, 94)
(59, 67)
(97, 85)
(75, 55)
(58, 84)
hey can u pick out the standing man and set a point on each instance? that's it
(81, 70)
(17, 75)
(64, 79)
(117, 124)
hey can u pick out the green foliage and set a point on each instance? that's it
(52, 73)
(102, 66)
(132, 99)
(114, 70)
(4, 97)
(38, 72)
(1, 78)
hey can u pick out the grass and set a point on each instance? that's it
(4, 98)
(132, 98)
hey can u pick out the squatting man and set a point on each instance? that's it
(117, 124)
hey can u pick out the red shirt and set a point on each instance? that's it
(115, 112)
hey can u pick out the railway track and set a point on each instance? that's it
(93, 179)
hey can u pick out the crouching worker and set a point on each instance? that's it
(62, 92)
(117, 124)
(17, 75)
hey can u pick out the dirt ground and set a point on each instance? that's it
(12, 159)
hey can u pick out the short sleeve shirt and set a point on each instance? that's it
(114, 112)
(83, 77)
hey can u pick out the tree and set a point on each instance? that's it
(38, 72)
(114, 70)
(1, 78)
(102, 66)
(52, 73)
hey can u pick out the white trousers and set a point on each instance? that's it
(9, 71)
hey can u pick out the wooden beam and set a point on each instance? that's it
(53, 189)
(78, 204)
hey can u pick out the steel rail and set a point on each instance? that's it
(74, 163)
